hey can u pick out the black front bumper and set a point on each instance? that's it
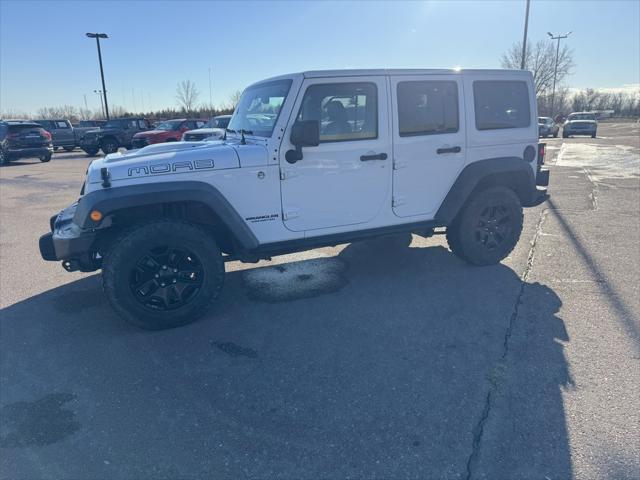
(68, 242)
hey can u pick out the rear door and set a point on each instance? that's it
(345, 179)
(428, 141)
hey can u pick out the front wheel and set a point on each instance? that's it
(488, 227)
(162, 274)
(92, 152)
(109, 145)
(45, 158)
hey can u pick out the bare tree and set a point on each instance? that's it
(234, 98)
(187, 95)
(540, 60)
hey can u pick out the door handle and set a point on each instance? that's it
(448, 150)
(378, 156)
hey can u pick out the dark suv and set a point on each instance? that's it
(23, 139)
(116, 133)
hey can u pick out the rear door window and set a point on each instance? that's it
(61, 124)
(427, 108)
(501, 104)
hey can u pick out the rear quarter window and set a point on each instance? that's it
(501, 104)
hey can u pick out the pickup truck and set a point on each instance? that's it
(65, 135)
(116, 133)
(62, 133)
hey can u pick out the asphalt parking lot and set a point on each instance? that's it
(393, 359)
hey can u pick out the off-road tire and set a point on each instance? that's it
(92, 152)
(45, 158)
(120, 261)
(465, 234)
(109, 145)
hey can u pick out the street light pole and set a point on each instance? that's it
(555, 68)
(524, 40)
(98, 36)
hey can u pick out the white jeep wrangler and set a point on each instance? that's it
(310, 159)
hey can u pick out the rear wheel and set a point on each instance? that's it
(163, 274)
(488, 227)
(3, 157)
(45, 158)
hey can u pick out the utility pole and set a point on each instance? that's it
(555, 68)
(99, 93)
(524, 40)
(98, 36)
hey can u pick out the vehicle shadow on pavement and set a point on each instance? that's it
(387, 360)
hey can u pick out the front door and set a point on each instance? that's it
(428, 141)
(346, 178)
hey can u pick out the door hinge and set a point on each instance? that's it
(286, 174)
(289, 214)
(398, 164)
(397, 201)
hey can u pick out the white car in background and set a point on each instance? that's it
(213, 130)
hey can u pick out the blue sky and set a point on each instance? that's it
(46, 60)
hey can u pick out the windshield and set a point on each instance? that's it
(169, 125)
(115, 124)
(582, 116)
(259, 107)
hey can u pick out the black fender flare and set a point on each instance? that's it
(512, 172)
(109, 200)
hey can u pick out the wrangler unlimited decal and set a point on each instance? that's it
(159, 168)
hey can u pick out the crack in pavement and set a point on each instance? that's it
(494, 377)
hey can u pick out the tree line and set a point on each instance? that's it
(540, 59)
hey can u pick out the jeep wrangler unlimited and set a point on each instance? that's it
(310, 159)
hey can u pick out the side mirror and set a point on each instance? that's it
(305, 133)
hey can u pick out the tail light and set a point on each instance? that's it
(541, 152)
(45, 134)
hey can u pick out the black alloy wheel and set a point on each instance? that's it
(166, 278)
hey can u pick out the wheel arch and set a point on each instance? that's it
(196, 202)
(510, 172)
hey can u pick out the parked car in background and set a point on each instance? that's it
(167, 131)
(213, 130)
(547, 127)
(116, 133)
(84, 126)
(580, 123)
(24, 139)
(62, 133)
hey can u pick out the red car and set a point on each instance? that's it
(168, 131)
